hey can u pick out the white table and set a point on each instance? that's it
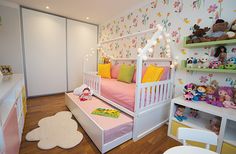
(188, 150)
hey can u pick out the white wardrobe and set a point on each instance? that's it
(54, 50)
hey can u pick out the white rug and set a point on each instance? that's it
(58, 130)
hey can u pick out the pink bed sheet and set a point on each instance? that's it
(113, 128)
(119, 92)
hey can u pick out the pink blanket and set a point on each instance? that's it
(119, 92)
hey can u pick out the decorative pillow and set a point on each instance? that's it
(165, 74)
(152, 74)
(126, 73)
(104, 70)
(115, 71)
(143, 72)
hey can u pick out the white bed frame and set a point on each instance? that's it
(155, 113)
(146, 116)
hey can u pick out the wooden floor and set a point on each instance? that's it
(156, 142)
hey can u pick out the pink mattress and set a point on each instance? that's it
(119, 92)
(113, 128)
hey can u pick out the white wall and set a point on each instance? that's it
(81, 37)
(10, 37)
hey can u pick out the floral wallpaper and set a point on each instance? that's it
(177, 17)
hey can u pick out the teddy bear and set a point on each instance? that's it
(198, 35)
(219, 30)
(233, 26)
(232, 32)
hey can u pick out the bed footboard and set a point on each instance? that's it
(93, 81)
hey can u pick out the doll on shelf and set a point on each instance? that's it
(179, 113)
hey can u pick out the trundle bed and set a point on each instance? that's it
(145, 106)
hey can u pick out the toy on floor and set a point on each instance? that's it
(193, 113)
(189, 91)
(179, 113)
(84, 92)
(107, 112)
(215, 125)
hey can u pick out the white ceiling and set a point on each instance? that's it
(99, 11)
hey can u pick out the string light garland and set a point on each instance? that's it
(157, 37)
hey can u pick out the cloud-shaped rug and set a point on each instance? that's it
(58, 130)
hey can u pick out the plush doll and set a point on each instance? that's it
(189, 90)
(200, 94)
(84, 92)
(231, 60)
(214, 64)
(191, 62)
(210, 94)
(221, 54)
(225, 94)
(198, 34)
(179, 113)
(86, 95)
(203, 62)
(193, 113)
(219, 30)
(215, 125)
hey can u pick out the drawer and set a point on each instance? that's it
(105, 132)
(228, 149)
(174, 130)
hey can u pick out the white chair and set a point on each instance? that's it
(207, 137)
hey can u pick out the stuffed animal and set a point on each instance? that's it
(189, 90)
(86, 95)
(203, 62)
(200, 94)
(230, 66)
(210, 94)
(214, 64)
(198, 35)
(215, 125)
(231, 60)
(233, 26)
(193, 113)
(221, 54)
(225, 94)
(219, 30)
(84, 92)
(179, 113)
(191, 62)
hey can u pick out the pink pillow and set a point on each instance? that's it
(165, 74)
(143, 72)
(115, 71)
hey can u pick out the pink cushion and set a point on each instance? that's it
(165, 74)
(143, 72)
(115, 71)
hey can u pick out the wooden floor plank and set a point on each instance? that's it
(155, 143)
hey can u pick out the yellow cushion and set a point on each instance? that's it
(104, 70)
(152, 74)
